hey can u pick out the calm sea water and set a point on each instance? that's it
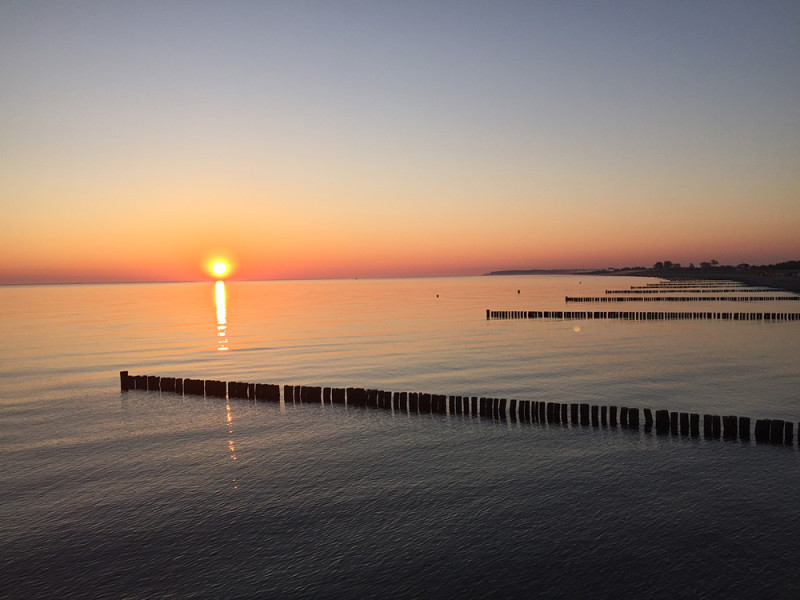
(137, 495)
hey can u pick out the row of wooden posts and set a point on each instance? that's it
(683, 299)
(639, 315)
(704, 283)
(774, 431)
(738, 290)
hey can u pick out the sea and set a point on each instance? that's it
(107, 493)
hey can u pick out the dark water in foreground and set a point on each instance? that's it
(104, 494)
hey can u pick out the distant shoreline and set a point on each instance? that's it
(778, 281)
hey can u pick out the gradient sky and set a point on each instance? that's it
(358, 139)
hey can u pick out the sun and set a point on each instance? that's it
(219, 268)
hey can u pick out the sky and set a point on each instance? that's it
(302, 139)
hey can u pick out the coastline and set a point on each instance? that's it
(777, 281)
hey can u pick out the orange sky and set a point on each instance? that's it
(376, 141)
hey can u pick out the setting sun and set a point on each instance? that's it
(219, 268)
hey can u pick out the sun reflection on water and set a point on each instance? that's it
(222, 317)
(229, 419)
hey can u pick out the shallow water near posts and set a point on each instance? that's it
(144, 494)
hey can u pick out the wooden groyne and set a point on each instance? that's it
(683, 299)
(662, 422)
(708, 283)
(737, 290)
(640, 315)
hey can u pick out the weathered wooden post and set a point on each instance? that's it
(612, 416)
(584, 414)
(633, 418)
(684, 422)
(604, 415)
(595, 415)
(694, 424)
(124, 385)
(707, 427)
(776, 431)
(673, 423)
(648, 419)
(573, 409)
(716, 427)
(762, 431)
(730, 427)
(623, 416)
(662, 422)
(788, 433)
(744, 428)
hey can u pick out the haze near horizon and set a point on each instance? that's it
(144, 141)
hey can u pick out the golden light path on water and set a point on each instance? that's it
(222, 317)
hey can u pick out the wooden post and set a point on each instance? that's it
(595, 416)
(584, 414)
(604, 415)
(673, 423)
(694, 424)
(633, 418)
(684, 421)
(762, 431)
(716, 426)
(788, 433)
(730, 427)
(776, 431)
(744, 428)
(612, 416)
(123, 381)
(648, 419)
(662, 422)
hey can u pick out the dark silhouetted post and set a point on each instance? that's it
(662, 422)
